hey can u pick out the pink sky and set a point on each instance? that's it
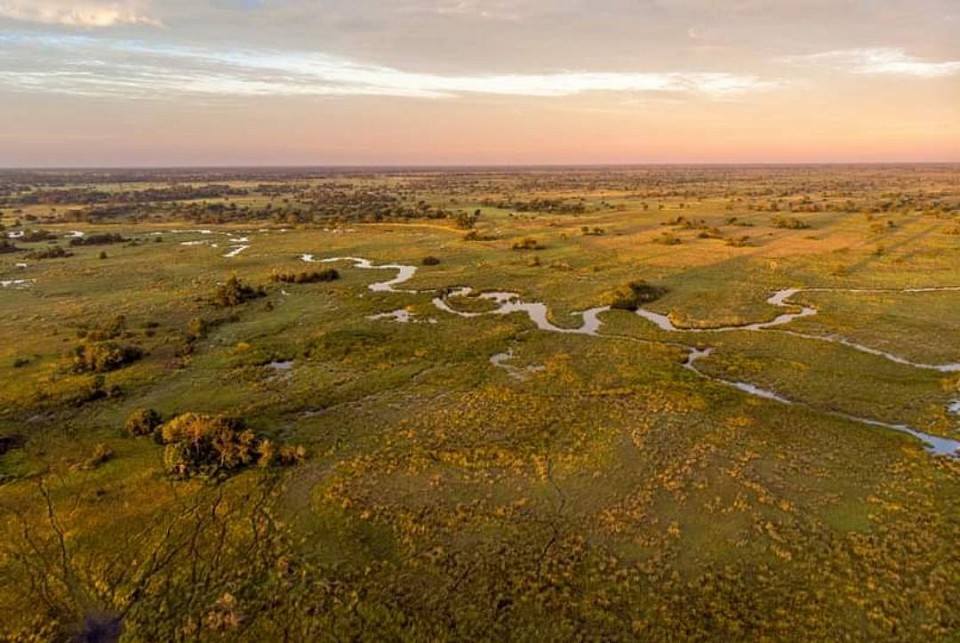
(248, 82)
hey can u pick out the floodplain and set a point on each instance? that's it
(438, 404)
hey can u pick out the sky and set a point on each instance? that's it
(114, 83)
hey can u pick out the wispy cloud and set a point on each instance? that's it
(95, 66)
(76, 13)
(879, 60)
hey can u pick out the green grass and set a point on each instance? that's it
(609, 494)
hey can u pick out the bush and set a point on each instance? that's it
(467, 221)
(790, 223)
(528, 243)
(234, 292)
(430, 260)
(198, 328)
(327, 274)
(635, 293)
(101, 453)
(33, 236)
(739, 242)
(98, 239)
(102, 357)
(53, 252)
(143, 422)
(668, 239)
(98, 390)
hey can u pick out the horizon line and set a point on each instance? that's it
(468, 166)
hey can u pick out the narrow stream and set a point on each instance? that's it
(509, 302)
(16, 284)
(782, 298)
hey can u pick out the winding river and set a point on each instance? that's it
(509, 302)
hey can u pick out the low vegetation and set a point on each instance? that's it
(234, 292)
(103, 356)
(214, 446)
(305, 277)
(634, 294)
(476, 477)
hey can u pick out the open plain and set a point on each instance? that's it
(711, 403)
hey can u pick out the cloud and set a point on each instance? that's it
(94, 66)
(471, 9)
(878, 60)
(76, 13)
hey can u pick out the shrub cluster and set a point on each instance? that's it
(474, 235)
(143, 422)
(635, 293)
(33, 236)
(790, 223)
(327, 274)
(528, 243)
(53, 252)
(668, 239)
(209, 446)
(234, 292)
(101, 357)
(103, 239)
(467, 221)
(430, 260)
(98, 390)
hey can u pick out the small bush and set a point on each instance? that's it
(234, 292)
(635, 293)
(790, 223)
(143, 422)
(739, 242)
(198, 327)
(101, 453)
(430, 260)
(467, 221)
(528, 243)
(668, 239)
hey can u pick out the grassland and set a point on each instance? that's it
(608, 493)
